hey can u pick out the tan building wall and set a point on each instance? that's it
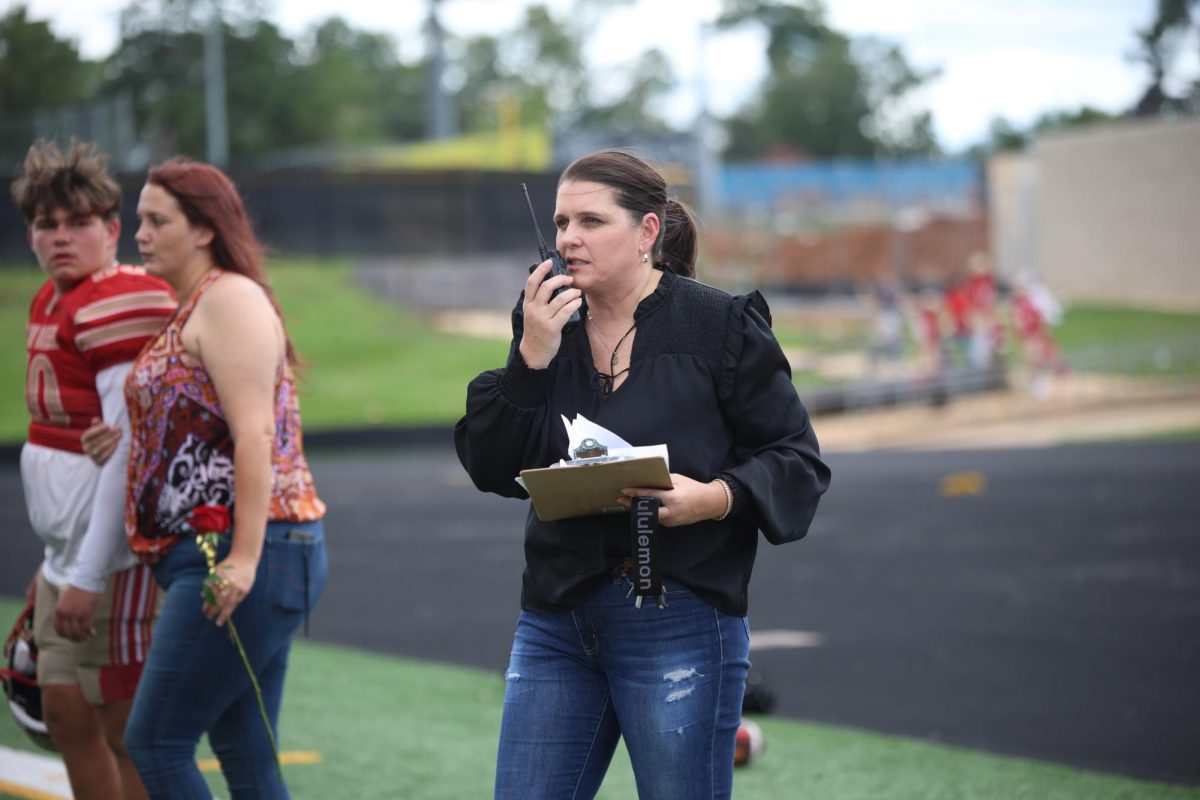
(1012, 213)
(1113, 212)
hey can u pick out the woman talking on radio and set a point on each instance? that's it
(655, 357)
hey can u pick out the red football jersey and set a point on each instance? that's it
(1026, 318)
(981, 292)
(102, 321)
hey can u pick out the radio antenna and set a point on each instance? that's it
(543, 250)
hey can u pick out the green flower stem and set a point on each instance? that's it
(262, 708)
(207, 543)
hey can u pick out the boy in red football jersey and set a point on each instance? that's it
(95, 605)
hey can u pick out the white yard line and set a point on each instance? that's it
(784, 639)
(33, 775)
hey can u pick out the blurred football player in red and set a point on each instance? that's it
(94, 604)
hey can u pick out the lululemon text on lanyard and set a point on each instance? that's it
(643, 529)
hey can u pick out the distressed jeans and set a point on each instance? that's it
(194, 681)
(669, 680)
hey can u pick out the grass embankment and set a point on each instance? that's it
(1089, 327)
(17, 287)
(373, 363)
(368, 362)
(388, 727)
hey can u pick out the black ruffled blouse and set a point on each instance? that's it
(708, 379)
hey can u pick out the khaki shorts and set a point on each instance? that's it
(108, 665)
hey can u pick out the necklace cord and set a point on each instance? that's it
(606, 380)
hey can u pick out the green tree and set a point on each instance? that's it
(548, 53)
(1159, 44)
(483, 84)
(1063, 119)
(1004, 136)
(817, 111)
(338, 85)
(647, 80)
(38, 72)
(37, 69)
(539, 68)
(793, 29)
(355, 90)
(160, 61)
(164, 70)
(888, 79)
(826, 95)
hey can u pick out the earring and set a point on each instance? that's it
(645, 258)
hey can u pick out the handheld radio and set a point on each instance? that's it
(558, 265)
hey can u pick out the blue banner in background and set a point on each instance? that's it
(954, 184)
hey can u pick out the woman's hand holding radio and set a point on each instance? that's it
(546, 314)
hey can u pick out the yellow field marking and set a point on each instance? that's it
(26, 793)
(286, 758)
(958, 484)
(43, 776)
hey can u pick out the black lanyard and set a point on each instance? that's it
(643, 531)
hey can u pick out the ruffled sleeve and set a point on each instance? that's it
(776, 463)
(504, 428)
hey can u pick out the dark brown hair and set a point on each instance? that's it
(209, 199)
(641, 189)
(77, 182)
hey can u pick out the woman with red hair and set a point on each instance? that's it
(214, 417)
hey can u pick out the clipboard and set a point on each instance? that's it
(579, 491)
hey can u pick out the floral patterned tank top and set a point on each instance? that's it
(181, 452)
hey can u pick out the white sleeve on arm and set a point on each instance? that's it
(105, 535)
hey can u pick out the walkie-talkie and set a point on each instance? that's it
(558, 266)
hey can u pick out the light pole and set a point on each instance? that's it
(216, 125)
(439, 120)
(707, 163)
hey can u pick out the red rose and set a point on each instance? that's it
(209, 519)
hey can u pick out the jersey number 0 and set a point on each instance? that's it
(41, 392)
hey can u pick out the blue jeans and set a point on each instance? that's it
(195, 682)
(669, 680)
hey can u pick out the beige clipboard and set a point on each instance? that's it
(565, 492)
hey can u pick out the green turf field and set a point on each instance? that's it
(390, 728)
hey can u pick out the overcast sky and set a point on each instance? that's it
(1011, 58)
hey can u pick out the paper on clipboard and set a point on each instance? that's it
(577, 488)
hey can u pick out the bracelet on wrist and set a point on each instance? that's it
(728, 499)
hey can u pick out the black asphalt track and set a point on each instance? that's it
(1049, 606)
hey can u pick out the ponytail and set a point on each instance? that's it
(677, 244)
